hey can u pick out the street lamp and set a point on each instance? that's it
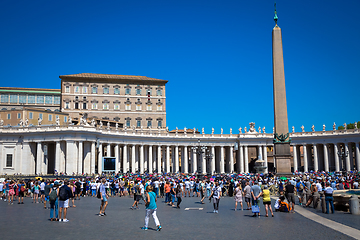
(342, 155)
(199, 150)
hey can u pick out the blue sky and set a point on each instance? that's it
(216, 55)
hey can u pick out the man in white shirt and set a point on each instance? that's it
(192, 187)
(328, 191)
(156, 187)
(187, 187)
(319, 187)
(42, 191)
(142, 190)
(1, 189)
(93, 189)
(208, 189)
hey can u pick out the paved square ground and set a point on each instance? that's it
(31, 221)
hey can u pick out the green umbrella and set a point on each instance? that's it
(283, 178)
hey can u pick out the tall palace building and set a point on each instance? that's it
(135, 101)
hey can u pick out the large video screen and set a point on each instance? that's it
(109, 164)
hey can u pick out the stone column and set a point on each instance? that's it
(163, 162)
(57, 156)
(306, 166)
(154, 158)
(185, 167)
(316, 162)
(231, 159)
(246, 159)
(167, 159)
(357, 149)
(326, 158)
(108, 150)
(146, 158)
(86, 157)
(347, 159)
(182, 159)
(45, 157)
(176, 159)
(265, 159)
(70, 157)
(23, 153)
(100, 158)
(25, 158)
(336, 156)
(194, 163)
(241, 157)
(159, 159)
(62, 157)
(18, 158)
(93, 158)
(117, 159)
(260, 152)
(141, 149)
(80, 159)
(1, 153)
(203, 163)
(133, 156)
(150, 159)
(125, 159)
(39, 157)
(213, 160)
(295, 158)
(222, 170)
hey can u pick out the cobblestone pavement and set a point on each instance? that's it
(32, 221)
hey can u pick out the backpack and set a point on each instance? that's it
(301, 187)
(53, 195)
(98, 195)
(137, 190)
(63, 194)
(22, 189)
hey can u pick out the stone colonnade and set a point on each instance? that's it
(78, 149)
(325, 156)
(86, 157)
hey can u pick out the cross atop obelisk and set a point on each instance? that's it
(281, 135)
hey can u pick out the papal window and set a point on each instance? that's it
(94, 90)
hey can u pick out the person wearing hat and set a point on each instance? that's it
(314, 194)
(300, 187)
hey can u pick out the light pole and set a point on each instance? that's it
(199, 150)
(342, 155)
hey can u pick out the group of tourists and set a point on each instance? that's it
(247, 188)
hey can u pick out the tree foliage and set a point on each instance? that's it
(349, 126)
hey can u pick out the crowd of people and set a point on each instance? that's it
(59, 195)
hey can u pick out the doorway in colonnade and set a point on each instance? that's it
(252, 165)
(50, 157)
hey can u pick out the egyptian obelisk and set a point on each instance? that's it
(281, 134)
